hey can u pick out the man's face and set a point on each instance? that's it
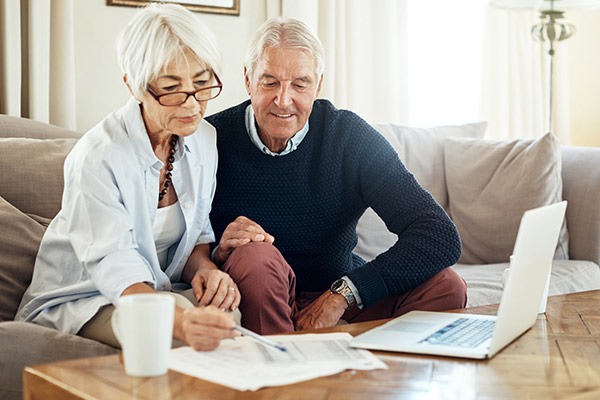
(282, 89)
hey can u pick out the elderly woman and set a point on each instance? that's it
(138, 191)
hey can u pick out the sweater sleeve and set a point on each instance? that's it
(428, 241)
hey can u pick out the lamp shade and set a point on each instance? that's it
(562, 5)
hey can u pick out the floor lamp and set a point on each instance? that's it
(551, 29)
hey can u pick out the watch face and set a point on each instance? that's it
(337, 284)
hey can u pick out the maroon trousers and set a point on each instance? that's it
(268, 287)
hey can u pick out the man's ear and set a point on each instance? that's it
(319, 87)
(130, 90)
(247, 81)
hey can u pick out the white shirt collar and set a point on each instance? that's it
(292, 144)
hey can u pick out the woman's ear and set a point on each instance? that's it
(130, 90)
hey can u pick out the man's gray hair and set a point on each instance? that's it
(290, 33)
(157, 35)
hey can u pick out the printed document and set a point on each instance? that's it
(243, 364)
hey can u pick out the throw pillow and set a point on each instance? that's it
(491, 183)
(35, 185)
(20, 238)
(422, 151)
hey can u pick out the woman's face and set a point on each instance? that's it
(186, 73)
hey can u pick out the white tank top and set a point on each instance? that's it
(168, 228)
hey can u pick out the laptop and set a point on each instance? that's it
(482, 336)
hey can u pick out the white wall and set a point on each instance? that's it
(100, 89)
(99, 85)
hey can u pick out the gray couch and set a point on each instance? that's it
(31, 180)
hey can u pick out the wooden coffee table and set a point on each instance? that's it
(558, 358)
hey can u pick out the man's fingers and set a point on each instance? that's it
(229, 244)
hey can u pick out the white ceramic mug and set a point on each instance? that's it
(143, 324)
(544, 301)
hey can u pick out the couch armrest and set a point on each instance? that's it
(581, 188)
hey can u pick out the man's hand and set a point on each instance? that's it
(203, 328)
(324, 312)
(214, 287)
(241, 231)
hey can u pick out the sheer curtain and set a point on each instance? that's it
(434, 62)
(514, 92)
(37, 67)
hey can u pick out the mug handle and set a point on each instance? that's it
(115, 324)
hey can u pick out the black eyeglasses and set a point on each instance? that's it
(177, 98)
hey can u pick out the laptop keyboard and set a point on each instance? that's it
(464, 332)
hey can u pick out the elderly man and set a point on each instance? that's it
(294, 176)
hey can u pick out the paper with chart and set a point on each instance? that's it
(244, 364)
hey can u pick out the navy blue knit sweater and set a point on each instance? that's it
(311, 199)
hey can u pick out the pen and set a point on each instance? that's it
(258, 338)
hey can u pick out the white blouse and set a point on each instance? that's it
(168, 229)
(102, 242)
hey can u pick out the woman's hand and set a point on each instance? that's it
(202, 328)
(241, 231)
(214, 287)
(211, 286)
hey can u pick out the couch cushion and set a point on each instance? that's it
(484, 282)
(30, 344)
(22, 127)
(581, 188)
(422, 151)
(491, 183)
(31, 173)
(20, 238)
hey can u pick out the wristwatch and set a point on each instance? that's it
(341, 287)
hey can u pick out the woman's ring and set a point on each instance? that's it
(232, 289)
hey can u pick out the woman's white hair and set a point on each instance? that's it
(157, 35)
(290, 33)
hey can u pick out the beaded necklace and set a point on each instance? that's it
(170, 160)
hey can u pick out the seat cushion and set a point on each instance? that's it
(484, 282)
(29, 344)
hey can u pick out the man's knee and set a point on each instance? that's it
(452, 287)
(257, 261)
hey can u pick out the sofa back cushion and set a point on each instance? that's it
(31, 173)
(28, 128)
(491, 183)
(20, 237)
(422, 152)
